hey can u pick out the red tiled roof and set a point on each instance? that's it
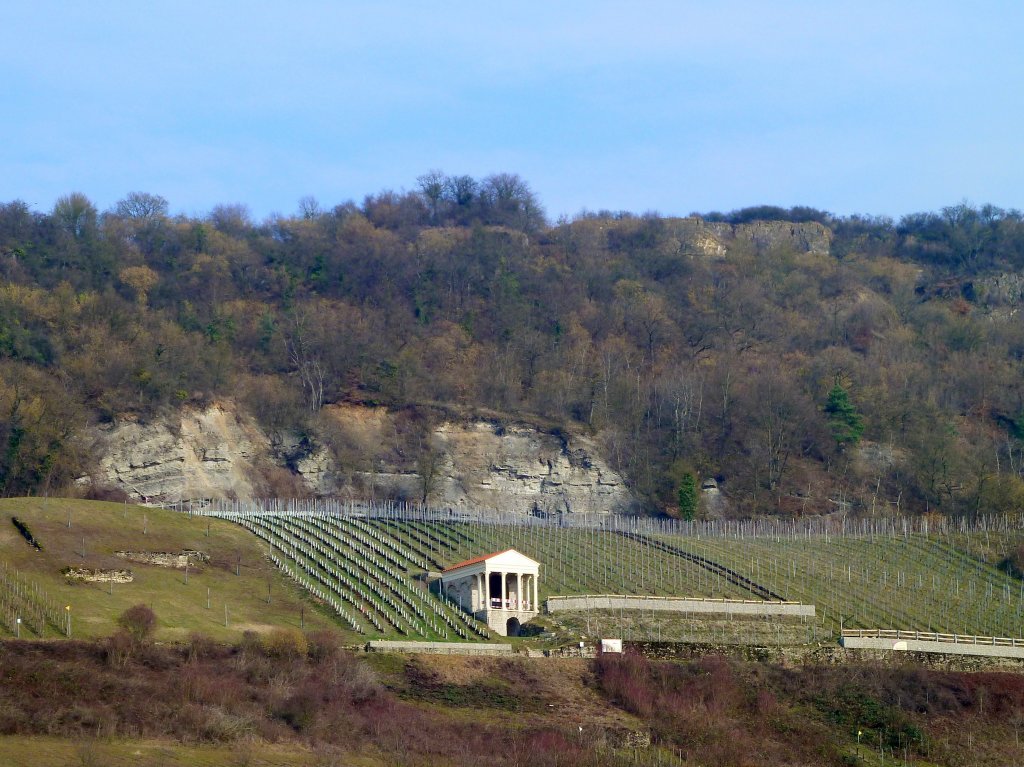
(475, 560)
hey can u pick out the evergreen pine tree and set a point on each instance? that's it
(688, 497)
(843, 419)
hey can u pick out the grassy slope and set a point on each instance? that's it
(900, 583)
(457, 690)
(180, 608)
(27, 751)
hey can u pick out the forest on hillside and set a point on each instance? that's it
(808, 362)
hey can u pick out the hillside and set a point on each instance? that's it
(236, 589)
(274, 688)
(361, 573)
(950, 578)
(227, 706)
(808, 363)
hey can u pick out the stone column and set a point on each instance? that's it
(504, 590)
(519, 591)
(536, 598)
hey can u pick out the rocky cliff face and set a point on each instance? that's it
(1000, 290)
(522, 469)
(809, 237)
(210, 453)
(710, 239)
(218, 453)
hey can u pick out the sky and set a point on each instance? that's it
(880, 108)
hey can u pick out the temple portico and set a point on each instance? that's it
(499, 589)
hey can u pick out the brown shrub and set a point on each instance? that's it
(250, 644)
(139, 622)
(323, 646)
(94, 492)
(119, 648)
(299, 709)
(13, 719)
(1013, 564)
(626, 679)
(280, 482)
(273, 403)
(356, 679)
(200, 647)
(285, 643)
(715, 685)
(212, 724)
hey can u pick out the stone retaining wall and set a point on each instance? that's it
(678, 605)
(825, 654)
(439, 648)
(946, 648)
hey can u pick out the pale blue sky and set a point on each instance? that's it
(874, 107)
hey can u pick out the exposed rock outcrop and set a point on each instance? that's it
(712, 239)
(1005, 289)
(218, 453)
(209, 453)
(483, 465)
(522, 469)
(810, 237)
(312, 464)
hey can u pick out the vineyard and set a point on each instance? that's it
(363, 573)
(369, 564)
(24, 605)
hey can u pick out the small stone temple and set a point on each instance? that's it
(499, 589)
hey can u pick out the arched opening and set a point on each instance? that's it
(512, 627)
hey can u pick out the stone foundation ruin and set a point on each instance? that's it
(94, 575)
(175, 559)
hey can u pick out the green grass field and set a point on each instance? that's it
(97, 530)
(24, 751)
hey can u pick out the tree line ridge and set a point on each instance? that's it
(834, 363)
